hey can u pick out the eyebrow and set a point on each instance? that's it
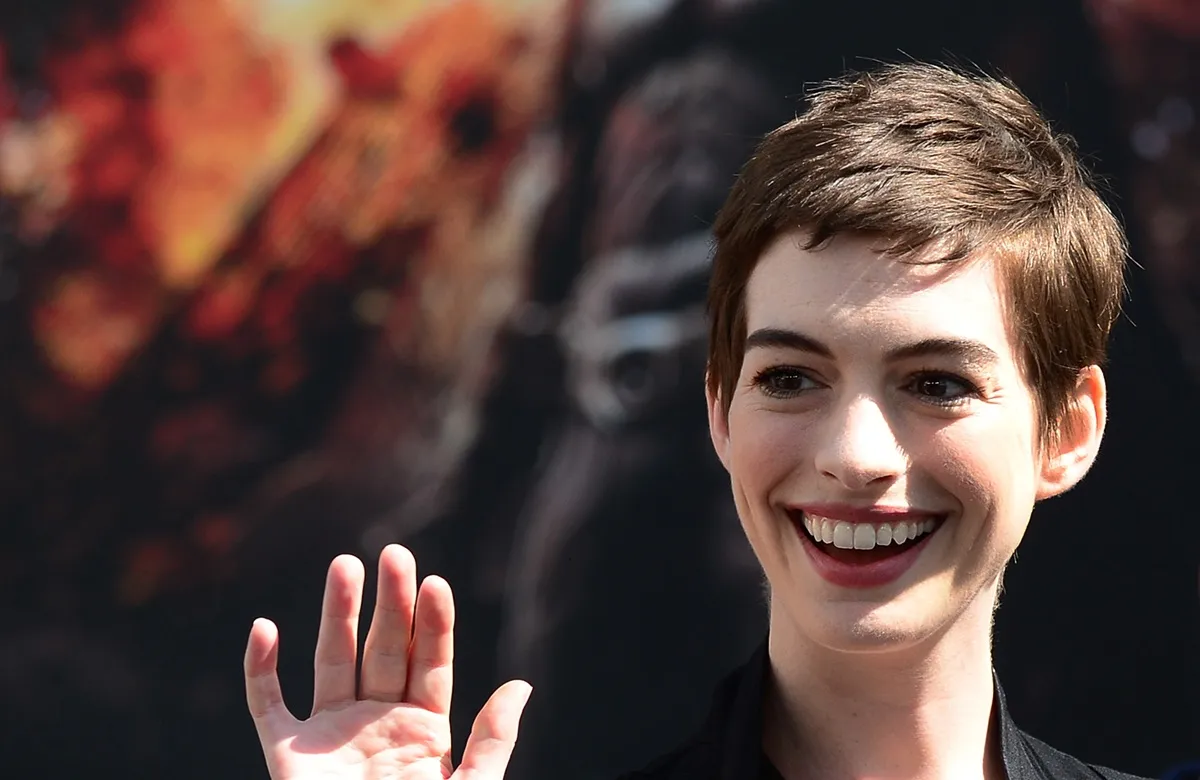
(965, 350)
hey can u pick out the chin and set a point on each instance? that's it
(864, 628)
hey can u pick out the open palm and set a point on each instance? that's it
(393, 720)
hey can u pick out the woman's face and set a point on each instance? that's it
(882, 441)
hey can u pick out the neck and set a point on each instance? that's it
(922, 712)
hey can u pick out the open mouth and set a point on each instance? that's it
(860, 544)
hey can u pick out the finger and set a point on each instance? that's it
(263, 695)
(430, 666)
(385, 655)
(337, 639)
(494, 733)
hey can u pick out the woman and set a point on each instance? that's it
(911, 294)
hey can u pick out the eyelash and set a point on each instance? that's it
(971, 391)
(763, 378)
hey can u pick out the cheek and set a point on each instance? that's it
(764, 447)
(989, 465)
(766, 450)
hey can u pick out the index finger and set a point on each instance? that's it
(431, 664)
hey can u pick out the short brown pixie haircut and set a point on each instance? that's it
(933, 160)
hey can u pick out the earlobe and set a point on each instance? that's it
(718, 425)
(1073, 451)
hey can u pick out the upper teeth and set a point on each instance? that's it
(864, 536)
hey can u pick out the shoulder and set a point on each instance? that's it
(1058, 765)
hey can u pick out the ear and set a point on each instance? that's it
(1073, 451)
(718, 423)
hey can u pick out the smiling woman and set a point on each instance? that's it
(907, 414)
(911, 294)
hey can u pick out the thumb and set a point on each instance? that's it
(494, 733)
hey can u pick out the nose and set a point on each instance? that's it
(858, 446)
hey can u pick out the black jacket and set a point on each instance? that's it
(729, 746)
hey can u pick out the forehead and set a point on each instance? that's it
(848, 290)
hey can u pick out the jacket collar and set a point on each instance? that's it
(736, 726)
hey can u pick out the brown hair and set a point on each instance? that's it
(927, 156)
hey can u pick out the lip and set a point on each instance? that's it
(861, 575)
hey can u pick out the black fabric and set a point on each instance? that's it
(729, 746)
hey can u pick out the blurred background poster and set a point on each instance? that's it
(281, 279)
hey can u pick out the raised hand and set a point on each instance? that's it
(393, 721)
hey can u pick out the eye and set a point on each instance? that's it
(783, 382)
(942, 389)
